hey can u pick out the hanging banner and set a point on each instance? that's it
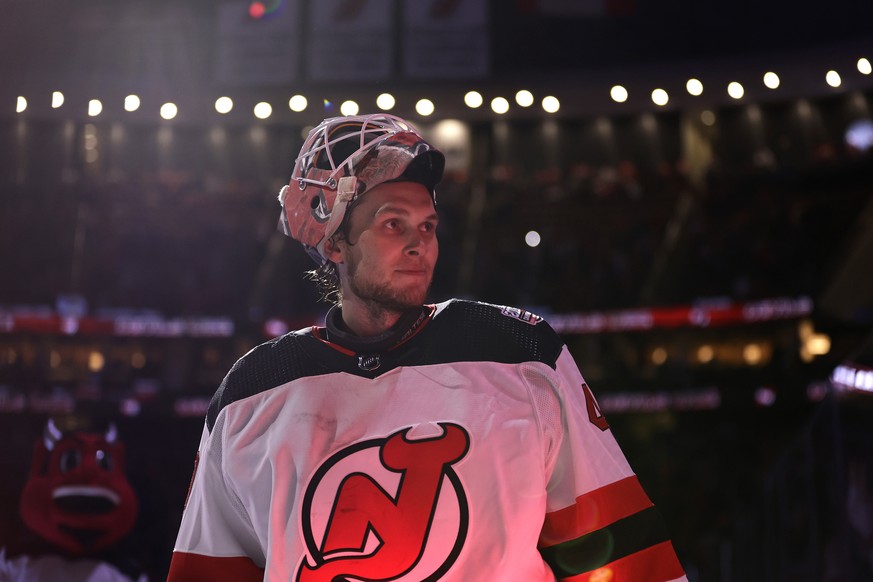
(349, 40)
(581, 8)
(257, 48)
(445, 39)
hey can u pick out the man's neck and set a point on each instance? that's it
(367, 318)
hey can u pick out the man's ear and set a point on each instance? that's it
(333, 249)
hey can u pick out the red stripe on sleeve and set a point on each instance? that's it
(594, 510)
(199, 568)
(655, 564)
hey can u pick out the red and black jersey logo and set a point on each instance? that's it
(387, 508)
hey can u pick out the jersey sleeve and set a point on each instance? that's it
(216, 540)
(599, 522)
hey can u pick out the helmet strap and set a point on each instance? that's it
(345, 193)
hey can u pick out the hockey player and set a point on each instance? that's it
(406, 441)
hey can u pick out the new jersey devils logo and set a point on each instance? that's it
(387, 508)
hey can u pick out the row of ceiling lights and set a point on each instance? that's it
(299, 103)
(426, 107)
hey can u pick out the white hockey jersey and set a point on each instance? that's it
(462, 445)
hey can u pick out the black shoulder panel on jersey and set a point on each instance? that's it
(266, 366)
(465, 331)
(460, 331)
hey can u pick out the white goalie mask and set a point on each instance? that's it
(340, 161)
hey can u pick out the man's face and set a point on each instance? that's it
(389, 257)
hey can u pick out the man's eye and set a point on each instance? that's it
(391, 224)
(428, 227)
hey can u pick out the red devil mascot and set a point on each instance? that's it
(79, 500)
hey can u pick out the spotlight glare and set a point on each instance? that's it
(169, 111)
(864, 66)
(349, 108)
(385, 101)
(618, 94)
(694, 87)
(297, 103)
(771, 80)
(532, 239)
(424, 107)
(660, 97)
(473, 99)
(223, 105)
(263, 110)
(833, 79)
(551, 104)
(524, 98)
(21, 105)
(499, 105)
(735, 90)
(95, 107)
(57, 99)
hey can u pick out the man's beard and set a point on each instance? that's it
(382, 296)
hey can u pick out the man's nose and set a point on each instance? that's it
(415, 243)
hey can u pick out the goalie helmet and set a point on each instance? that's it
(340, 161)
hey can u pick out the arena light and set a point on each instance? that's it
(450, 133)
(833, 79)
(499, 105)
(223, 105)
(297, 103)
(96, 361)
(736, 90)
(705, 354)
(753, 354)
(57, 99)
(660, 97)
(386, 101)
(532, 239)
(424, 107)
(694, 87)
(473, 99)
(263, 110)
(659, 356)
(131, 103)
(771, 80)
(864, 66)
(349, 108)
(524, 98)
(95, 107)
(169, 111)
(859, 135)
(818, 344)
(257, 10)
(551, 104)
(20, 105)
(851, 377)
(765, 396)
(618, 94)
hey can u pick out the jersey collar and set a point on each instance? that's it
(337, 335)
